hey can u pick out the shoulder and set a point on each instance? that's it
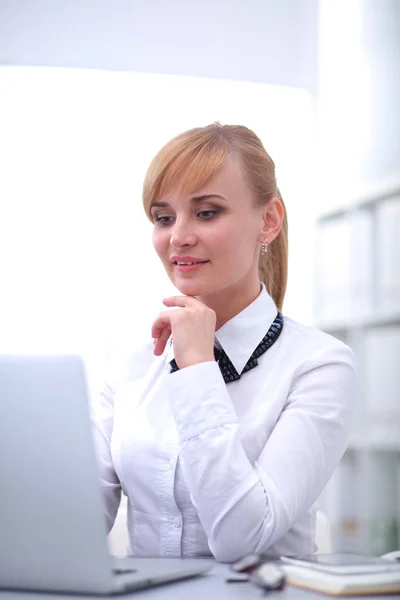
(323, 372)
(310, 346)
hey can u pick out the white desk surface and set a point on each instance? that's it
(211, 586)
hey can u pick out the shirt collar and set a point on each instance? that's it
(240, 336)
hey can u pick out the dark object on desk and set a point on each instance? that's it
(343, 574)
(259, 570)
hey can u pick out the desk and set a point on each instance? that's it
(211, 586)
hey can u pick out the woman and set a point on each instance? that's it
(223, 431)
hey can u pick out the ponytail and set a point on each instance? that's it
(273, 266)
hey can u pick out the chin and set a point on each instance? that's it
(192, 288)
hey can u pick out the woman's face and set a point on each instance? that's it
(209, 241)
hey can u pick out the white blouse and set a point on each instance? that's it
(226, 469)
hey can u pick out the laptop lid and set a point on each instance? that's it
(52, 524)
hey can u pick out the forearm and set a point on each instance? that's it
(236, 505)
(227, 490)
(247, 505)
(102, 419)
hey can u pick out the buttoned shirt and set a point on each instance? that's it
(226, 469)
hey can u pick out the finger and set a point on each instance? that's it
(159, 347)
(163, 320)
(157, 330)
(180, 301)
(161, 342)
(158, 350)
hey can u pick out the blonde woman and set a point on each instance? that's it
(223, 430)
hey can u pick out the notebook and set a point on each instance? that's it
(343, 574)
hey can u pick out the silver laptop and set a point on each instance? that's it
(52, 524)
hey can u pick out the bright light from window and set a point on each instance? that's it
(77, 268)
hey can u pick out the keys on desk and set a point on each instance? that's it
(260, 571)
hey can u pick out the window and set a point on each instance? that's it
(78, 270)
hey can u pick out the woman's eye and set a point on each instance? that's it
(207, 214)
(162, 220)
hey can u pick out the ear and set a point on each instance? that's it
(272, 216)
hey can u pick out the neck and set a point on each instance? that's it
(230, 302)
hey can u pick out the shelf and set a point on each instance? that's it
(366, 199)
(357, 289)
(383, 319)
(362, 443)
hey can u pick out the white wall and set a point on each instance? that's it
(358, 97)
(77, 258)
(269, 41)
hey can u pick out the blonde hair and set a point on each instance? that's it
(194, 156)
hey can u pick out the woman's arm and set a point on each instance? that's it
(245, 508)
(103, 420)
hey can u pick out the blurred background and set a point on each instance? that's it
(91, 89)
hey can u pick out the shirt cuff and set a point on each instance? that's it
(199, 399)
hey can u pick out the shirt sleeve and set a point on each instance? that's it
(103, 420)
(244, 507)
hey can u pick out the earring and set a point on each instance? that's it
(264, 247)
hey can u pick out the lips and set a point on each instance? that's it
(187, 260)
(181, 263)
(188, 264)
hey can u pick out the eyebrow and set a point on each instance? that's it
(194, 200)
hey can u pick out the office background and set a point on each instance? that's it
(90, 90)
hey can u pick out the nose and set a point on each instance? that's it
(183, 234)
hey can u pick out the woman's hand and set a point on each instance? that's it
(192, 325)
